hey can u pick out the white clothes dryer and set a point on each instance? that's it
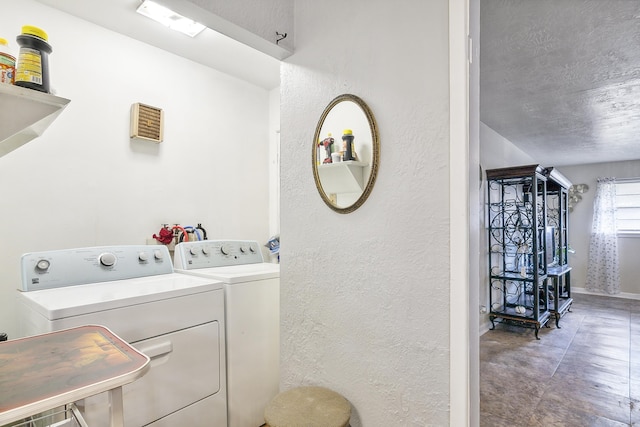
(252, 320)
(176, 320)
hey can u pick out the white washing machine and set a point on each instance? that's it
(252, 319)
(176, 320)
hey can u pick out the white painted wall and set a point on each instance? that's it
(580, 221)
(274, 164)
(365, 296)
(498, 152)
(83, 183)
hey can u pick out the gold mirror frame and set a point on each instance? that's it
(375, 155)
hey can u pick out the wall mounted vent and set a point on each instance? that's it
(146, 122)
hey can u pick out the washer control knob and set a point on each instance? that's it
(225, 249)
(243, 249)
(158, 255)
(143, 256)
(107, 259)
(193, 250)
(205, 250)
(43, 265)
(252, 248)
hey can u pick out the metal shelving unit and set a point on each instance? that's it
(517, 240)
(558, 271)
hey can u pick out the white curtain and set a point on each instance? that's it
(603, 274)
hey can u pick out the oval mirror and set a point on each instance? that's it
(346, 152)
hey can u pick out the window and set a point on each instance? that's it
(628, 206)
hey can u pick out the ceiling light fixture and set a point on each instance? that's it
(169, 18)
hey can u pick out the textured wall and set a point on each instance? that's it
(365, 296)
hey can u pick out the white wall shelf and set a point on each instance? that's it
(25, 115)
(342, 177)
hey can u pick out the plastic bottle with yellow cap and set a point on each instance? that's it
(347, 145)
(33, 59)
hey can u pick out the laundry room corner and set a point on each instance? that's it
(85, 183)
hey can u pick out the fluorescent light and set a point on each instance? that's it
(169, 18)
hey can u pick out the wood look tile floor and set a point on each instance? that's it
(587, 373)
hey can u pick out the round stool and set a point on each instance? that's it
(308, 407)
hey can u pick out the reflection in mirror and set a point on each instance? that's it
(346, 153)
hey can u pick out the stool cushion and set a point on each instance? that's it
(308, 407)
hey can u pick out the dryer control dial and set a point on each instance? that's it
(143, 256)
(107, 259)
(42, 265)
(158, 255)
(225, 249)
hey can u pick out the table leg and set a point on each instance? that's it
(78, 415)
(116, 414)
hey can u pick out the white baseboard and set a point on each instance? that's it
(484, 327)
(626, 295)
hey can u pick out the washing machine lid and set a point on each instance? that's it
(238, 273)
(59, 303)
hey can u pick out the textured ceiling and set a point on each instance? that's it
(561, 78)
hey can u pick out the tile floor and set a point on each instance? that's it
(587, 373)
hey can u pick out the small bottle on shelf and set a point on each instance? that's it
(7, 63)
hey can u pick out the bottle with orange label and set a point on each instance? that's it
(7, 63)
(33, 59)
